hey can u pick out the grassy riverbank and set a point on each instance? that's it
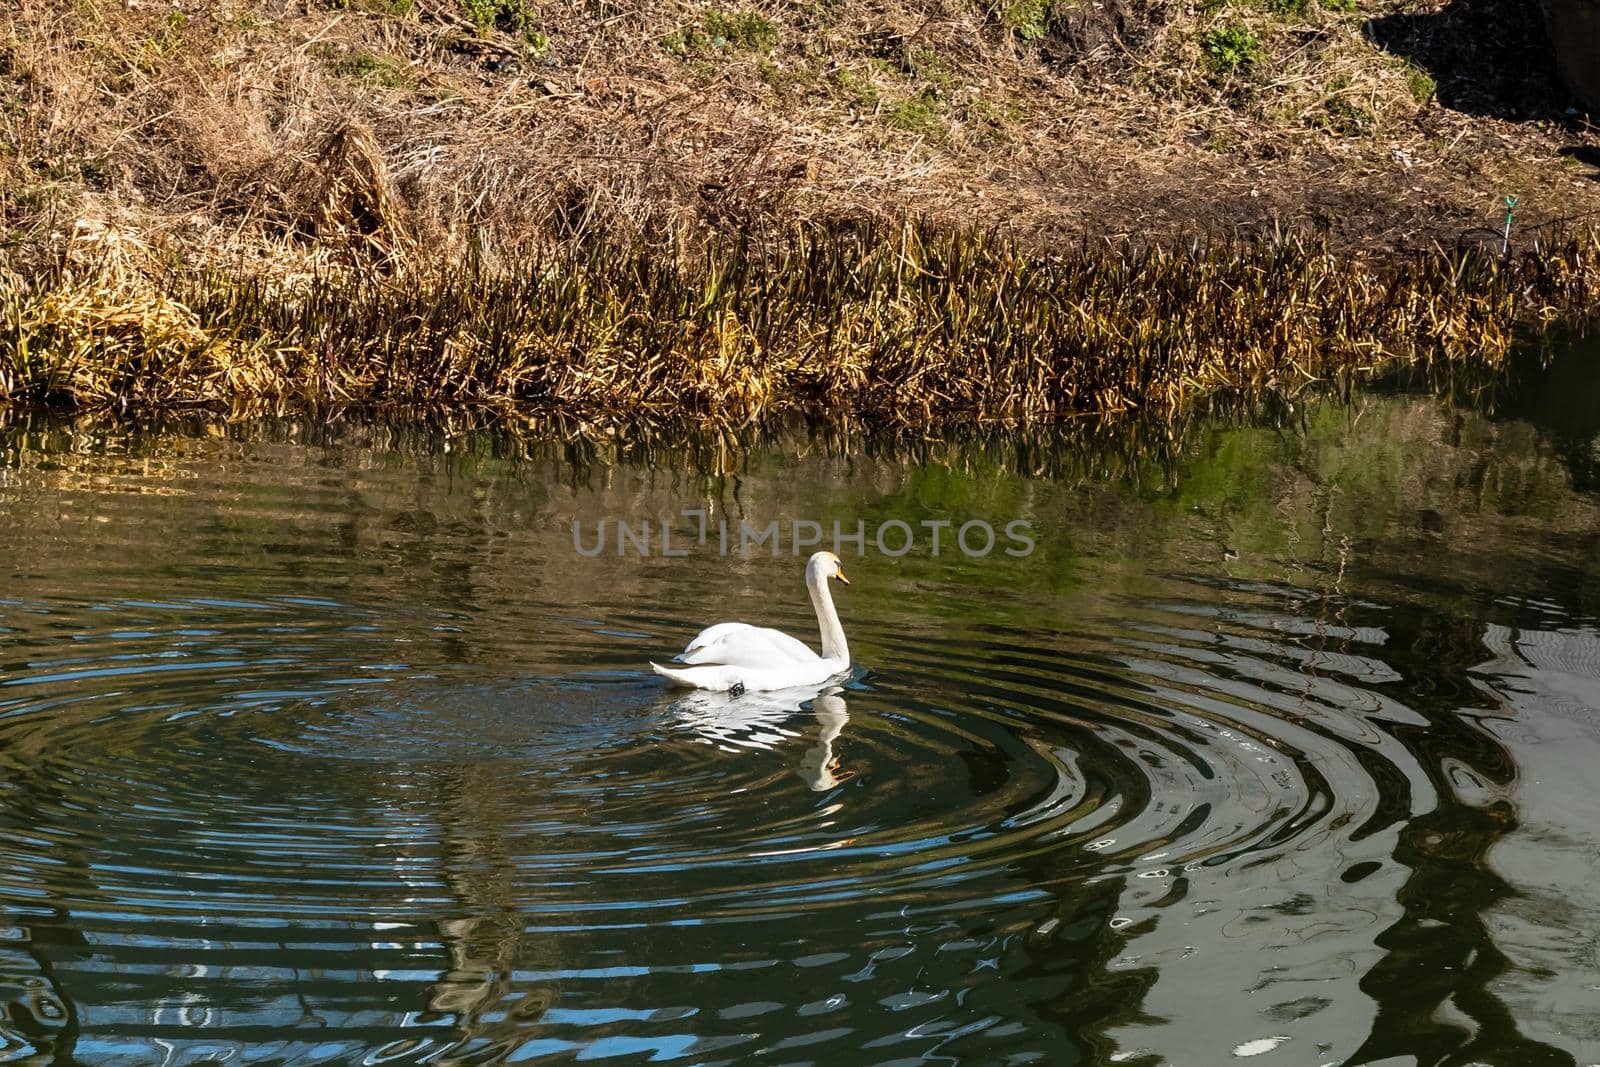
(217, 127)
(903, 325)
(681, 208)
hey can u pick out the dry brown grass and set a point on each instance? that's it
(231, 127)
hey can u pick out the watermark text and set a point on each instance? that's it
(974, 538)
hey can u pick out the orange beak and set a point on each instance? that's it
(840, 575)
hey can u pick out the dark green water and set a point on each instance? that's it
(325, 745)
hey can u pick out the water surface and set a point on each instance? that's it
(325, 745)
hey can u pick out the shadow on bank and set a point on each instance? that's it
(1494, 58)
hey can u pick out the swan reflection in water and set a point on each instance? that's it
(766, 720)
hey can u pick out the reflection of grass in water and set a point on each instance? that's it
(1111, 502)
(915, 327)
(1369, 473)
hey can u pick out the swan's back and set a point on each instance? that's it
(737, 644)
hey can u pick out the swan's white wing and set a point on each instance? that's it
(709, 636)
(736, 644)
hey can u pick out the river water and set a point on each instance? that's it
(332, 744)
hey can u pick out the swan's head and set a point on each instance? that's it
(824, 565)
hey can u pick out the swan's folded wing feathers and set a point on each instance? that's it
(753, 647)
(695, 651)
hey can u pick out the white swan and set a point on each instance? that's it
(735, 656)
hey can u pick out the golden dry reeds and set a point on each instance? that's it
(914, 325)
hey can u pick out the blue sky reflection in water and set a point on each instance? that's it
(325, 747)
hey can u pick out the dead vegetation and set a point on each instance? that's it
(913, 326)
(264, 205)
(214, 127)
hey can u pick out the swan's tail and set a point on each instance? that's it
(714, 676)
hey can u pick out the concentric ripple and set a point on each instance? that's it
(330, 783)
(246, 816)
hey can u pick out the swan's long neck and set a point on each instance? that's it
(833, 643)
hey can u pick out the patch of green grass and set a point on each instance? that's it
(1347, 119)
(36, 197)
(722, 31)
(1231, 47)
(481, 13)
(520, 18)
(13, 107)
(857, 91)
(1224, 141)
(681, 42)
(917, 114)
(374, 68)
(888, 69)
(148, 53)
(928, 67)
(1289, 8)
(1421, 84)
(981, 112)
(94, 173)
(1341, 115)
(744, 30)
(1028, 19)
(1339, 5)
